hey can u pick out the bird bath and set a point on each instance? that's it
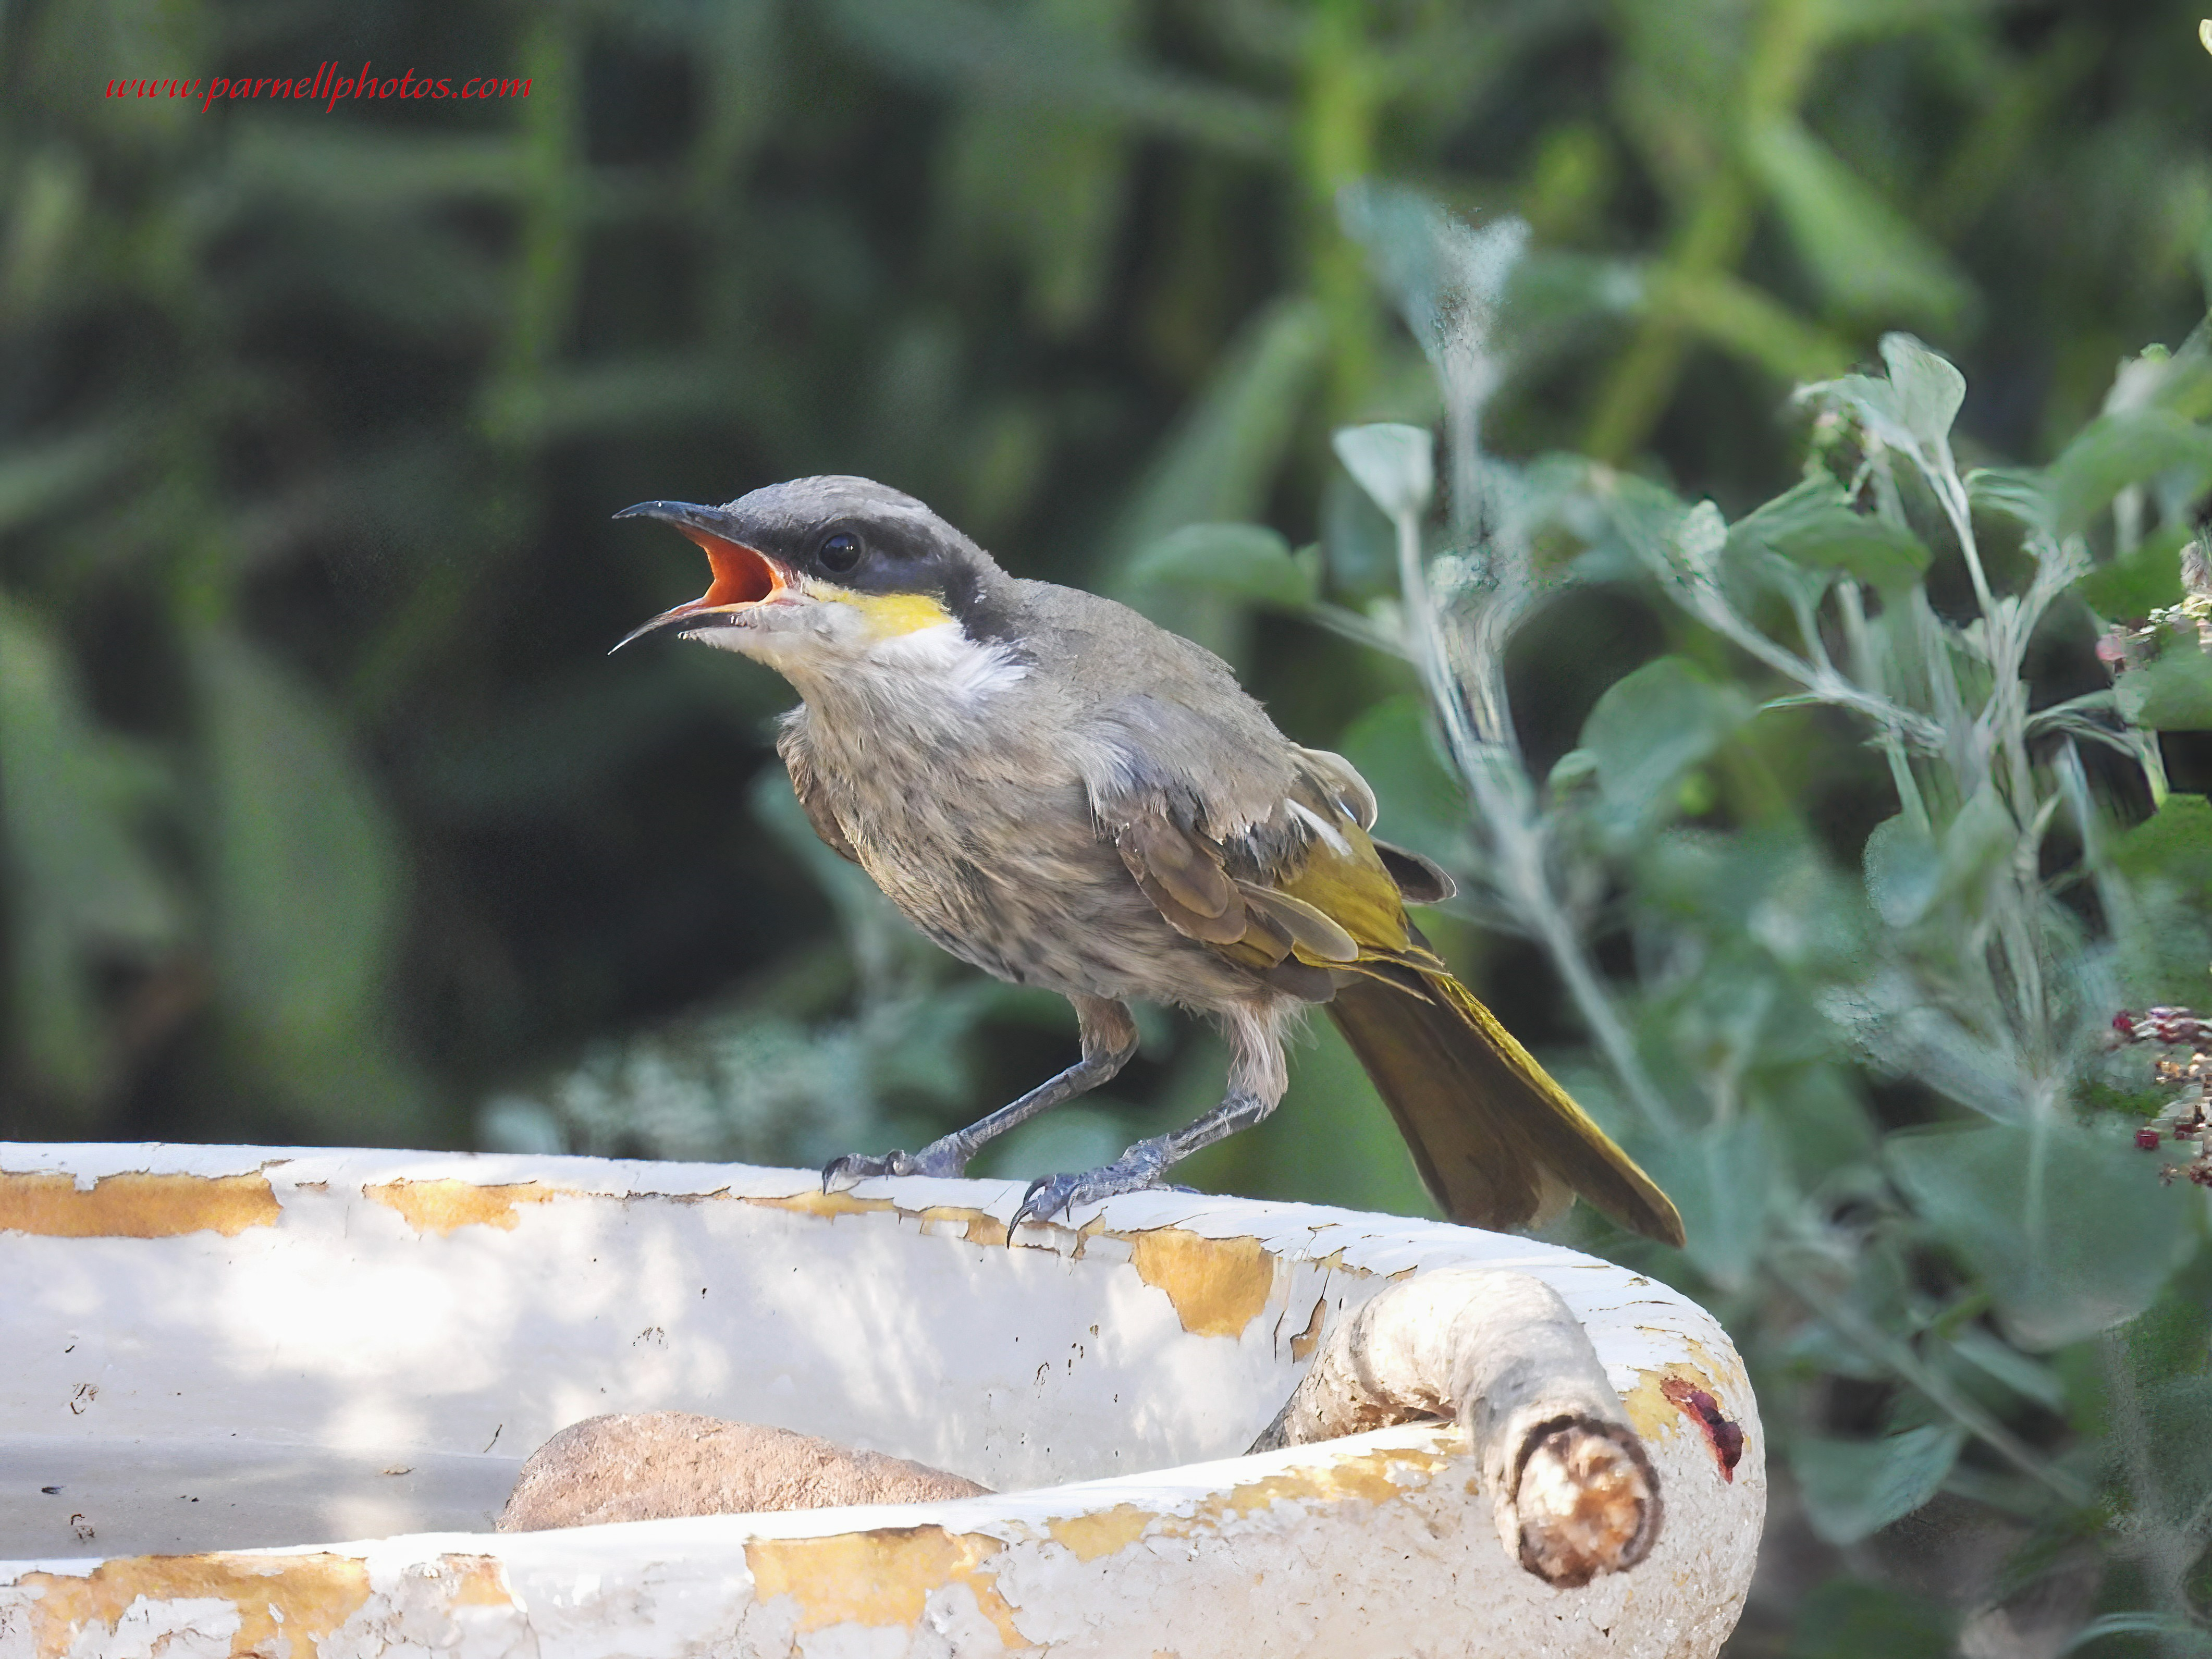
(269, 1402)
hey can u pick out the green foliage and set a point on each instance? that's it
(1773, 990)
(2174, 694)
(1246, 562)
(82, 880)
(305, 876)
(2056, 1221)
(323, 818)
(1650, 727)
(1813, 525)
(1851, 1619)
(805, 1065)
(1854, 1488)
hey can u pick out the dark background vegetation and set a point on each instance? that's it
(328, 820)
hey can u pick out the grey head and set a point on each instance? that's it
(832, 540)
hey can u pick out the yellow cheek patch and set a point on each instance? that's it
(889, 615)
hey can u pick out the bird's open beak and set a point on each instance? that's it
(745, 577)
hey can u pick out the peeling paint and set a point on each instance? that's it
(980, 1226)
(301, 1597)
(1354, 1546)
(1103, 1532)
(135, 1205)
(879, 1578)
(1218, 1285)
(1648, 1405)
(443, 1206)
(828, 1204)
(1367, 1478)
(479, 1580)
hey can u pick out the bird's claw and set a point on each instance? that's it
(838, 1172)
(1051, 1195)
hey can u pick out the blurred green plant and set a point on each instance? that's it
(1949, 1308)
(822, 1053)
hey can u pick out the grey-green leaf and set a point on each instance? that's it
(2114, 451)
(1813, 525)
(1910, 410)
(1395, 465)
(2021, 492)
(1983, 834)
(1929, 389)
(2072, 1231)
(2030, 1378)
(2172, 694)
(1904, 871)
(2137, 583)
(1652, 726)
(1854, 1488)
(1722, 1178)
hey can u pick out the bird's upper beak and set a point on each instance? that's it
(745, 577)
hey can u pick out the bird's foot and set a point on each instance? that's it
(940, 1157)
(1135, 1171)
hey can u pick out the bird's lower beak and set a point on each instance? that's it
(745, 577)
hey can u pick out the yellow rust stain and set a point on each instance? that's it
(1371, 1477)
(830, 1204)
(1303, 1344)
(479, 1580)
(1650, 1410)
(441, 1206)
(135, 1205)
(982, 1227)
(1366, 1479)
(881, 1579)
(1218, 1285)
(1105, 1531)
(299, 1598)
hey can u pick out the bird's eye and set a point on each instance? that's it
(840, 552)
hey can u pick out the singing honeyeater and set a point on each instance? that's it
(1060, 793)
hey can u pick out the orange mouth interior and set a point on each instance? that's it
(743, 576)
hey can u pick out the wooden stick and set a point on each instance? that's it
(1572, 1492)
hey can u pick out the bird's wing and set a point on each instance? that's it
(1276, 871)
(799, 760)
(1305, 896)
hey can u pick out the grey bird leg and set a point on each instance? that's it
(1258, 1075)
(1110, 1038)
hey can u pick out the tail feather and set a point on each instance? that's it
(1490, 1130)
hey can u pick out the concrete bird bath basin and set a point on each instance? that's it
(263, 1402)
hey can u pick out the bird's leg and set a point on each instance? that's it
(1110, 1038)
(1258, 1074)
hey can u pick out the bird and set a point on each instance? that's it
(1059, 792)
